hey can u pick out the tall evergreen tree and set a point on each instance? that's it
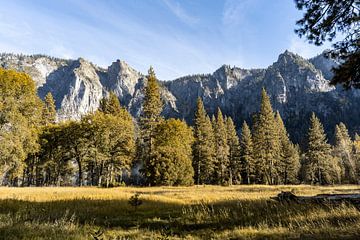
(149, 119)
(320, 166)
(110, 104)
(344, 152)
(246, 154)
(49, 110)
(234, 157)
(222, 150)
(289, 162)
(203, 147)
(266, 142)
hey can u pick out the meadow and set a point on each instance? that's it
(197, 212)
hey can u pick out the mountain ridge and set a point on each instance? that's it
(297, 87)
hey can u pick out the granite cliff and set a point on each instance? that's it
(297, 87)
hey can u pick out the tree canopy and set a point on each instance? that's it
(324, 20)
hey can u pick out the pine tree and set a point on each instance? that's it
(149, 119)
(222, 150)
(203, 147)
(289, 162)
(266, 142)
(49, 110)
(320, 166)
(343, 151)
(246, 154)
(233, 143)
(110, 105)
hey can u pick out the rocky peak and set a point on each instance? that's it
(296, 86)
(122, 79)
(293, 71)
(325, 64)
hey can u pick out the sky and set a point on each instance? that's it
(176, 37)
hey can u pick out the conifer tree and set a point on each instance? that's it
(246, 154)
(149, 119)
(289, 162)
(233, 143)
(343, 151)
(222, 149)
(320, 166)
(110, 104)
(203, 147)
(49, 110)
(266, 142)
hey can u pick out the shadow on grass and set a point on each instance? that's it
(19, 216)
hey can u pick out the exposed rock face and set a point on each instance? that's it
(296, 86)
(78, 85)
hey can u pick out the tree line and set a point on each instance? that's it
(110, 148)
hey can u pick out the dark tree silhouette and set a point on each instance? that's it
(323, 20)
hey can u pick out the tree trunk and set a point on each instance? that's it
(198, 170)
(101, 174)
(80, 180)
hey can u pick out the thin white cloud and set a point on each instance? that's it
(234, 11)
(180, 12)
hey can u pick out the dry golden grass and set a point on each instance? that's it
(181, 195)
(198, 212)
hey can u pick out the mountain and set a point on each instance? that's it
(297, 87)
(78, 85)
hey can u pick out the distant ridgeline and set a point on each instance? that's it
(296, 86)
(106, 146)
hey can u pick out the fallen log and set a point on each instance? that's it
(320, 198)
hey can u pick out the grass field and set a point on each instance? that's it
(199, 212)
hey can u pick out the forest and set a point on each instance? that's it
(110, 148)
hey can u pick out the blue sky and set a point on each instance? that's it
(176, 37)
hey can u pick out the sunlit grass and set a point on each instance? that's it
(198, 212)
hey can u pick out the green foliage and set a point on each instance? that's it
(49, 110)
(320, 167)
(323, 21)
(204, 146)
(135, 200)
(111, 144)
(20, 115)
(102, 146)
(149, 119)
(247, 155)
(356, 155)
(343, 150)
(222, 163)
(54, 160)
(289, 162)
(110, 105)
(266, 143)
(172, 157)
(152, 105)
(234, 154)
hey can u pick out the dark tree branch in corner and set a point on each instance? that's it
(322, 21)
